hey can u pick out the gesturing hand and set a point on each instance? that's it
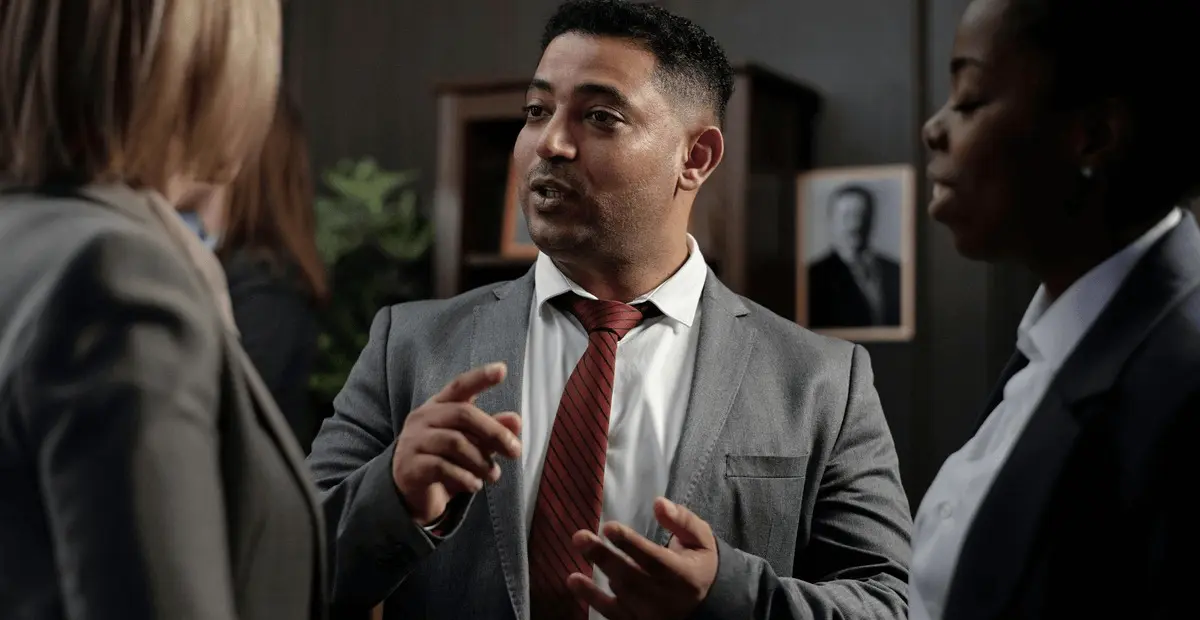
(447, 444)
(654, 582)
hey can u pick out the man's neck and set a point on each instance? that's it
(853, 255)
(624, 281)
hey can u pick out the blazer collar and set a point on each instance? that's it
(499, 335)
(997, 547)
(1168, 272)
(726, 341)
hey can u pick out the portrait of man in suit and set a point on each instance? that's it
(857, 252)
(615, 434)
(853, 285)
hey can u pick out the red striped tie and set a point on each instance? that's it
(571, 492)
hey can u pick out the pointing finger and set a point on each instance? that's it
(465, 387)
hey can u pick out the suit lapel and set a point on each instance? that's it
(281, 434)
(499, 335)
(1015, 364)
(722, 354)
(997, 548)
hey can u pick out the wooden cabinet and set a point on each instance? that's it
(744, 218)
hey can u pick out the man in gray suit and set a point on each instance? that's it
(740, 465)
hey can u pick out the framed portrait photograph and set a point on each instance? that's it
(515, 242)
(856, 252)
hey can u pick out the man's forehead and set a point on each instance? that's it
(850, 204)
(573, 59)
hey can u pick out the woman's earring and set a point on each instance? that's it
(1087, 172)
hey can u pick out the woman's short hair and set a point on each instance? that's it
(134, 91)
(1142, 53)
(270, 208)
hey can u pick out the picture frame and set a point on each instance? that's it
(856, 252)
(515, 241)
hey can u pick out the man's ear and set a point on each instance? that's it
(706, 151)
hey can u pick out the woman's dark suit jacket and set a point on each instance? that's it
(1094, 515)
(145, 471)
(278, 324)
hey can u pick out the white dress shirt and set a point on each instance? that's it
(651, 388)
(1047, 335)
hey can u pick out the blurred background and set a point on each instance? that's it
(411, 109)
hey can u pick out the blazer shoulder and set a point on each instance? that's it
(86, 268)
(60, 224)
(49, 231)
(249, 269)
(1171, 349)
(786, 338)
(439, 316)
(72, 238)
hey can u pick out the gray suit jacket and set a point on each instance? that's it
(1093, 514)
(146, 471)
(785, 452)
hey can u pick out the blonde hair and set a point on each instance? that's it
(134, 91)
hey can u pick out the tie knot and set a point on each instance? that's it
(602, 315)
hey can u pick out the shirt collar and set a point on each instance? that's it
(849, 257)
(677, 297)
(1049, 330)
(192, 220)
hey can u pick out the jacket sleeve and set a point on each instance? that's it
(376, 543)
(855, 564)
(119, 397)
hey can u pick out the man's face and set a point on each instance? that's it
(601, 151)
(851, 221)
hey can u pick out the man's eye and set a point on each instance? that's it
(603, 117)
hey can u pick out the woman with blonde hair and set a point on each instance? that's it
(146, 471)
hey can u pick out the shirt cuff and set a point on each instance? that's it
(436, 528)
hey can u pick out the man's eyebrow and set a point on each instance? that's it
(604, 90)
(587, 88)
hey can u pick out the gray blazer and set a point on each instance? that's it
(1093, 514)
(146, 472)
(785, 453)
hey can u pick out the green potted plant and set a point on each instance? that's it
(375, 244)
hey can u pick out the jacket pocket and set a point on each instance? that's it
(766, 496)
(746, 466)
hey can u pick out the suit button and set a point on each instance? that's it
(946, 510)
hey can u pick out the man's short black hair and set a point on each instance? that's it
(854, 189)
(690, 61)
(1143, 53)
